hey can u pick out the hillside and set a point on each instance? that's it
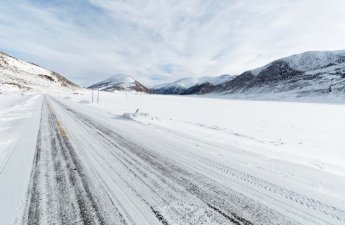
(20, 76)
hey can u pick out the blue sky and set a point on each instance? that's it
(163, 40)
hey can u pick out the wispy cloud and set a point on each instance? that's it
(164, 40)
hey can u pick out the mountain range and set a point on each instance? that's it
(191, 85)
(303, 75)
(309, 74)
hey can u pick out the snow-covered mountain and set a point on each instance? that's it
(20, 76)
(120, 82)
(191, 85)
(318, 74)
(309, 74)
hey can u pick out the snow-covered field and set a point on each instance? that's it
(308, 133)
(174, 160)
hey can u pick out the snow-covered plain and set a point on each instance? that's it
(294, 129)
(286, 156)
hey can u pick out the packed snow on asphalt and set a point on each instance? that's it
(147, 159)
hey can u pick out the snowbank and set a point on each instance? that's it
(144, 118)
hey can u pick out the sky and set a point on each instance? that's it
(158, 41)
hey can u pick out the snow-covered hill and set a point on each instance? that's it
(311, 74)
(120, 82)
(191, 85)
(20, 76)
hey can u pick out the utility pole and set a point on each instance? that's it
(92, 97)
(98, 96)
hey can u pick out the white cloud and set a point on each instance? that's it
(167, 39)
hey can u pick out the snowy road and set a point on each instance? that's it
(93, 170)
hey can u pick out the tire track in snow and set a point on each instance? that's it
(315, 212)
(61, 191)
(295, 197)
(34, 204)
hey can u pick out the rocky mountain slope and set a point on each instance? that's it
(20, 76)
(120, 82)
(310, 74)
(191, 85)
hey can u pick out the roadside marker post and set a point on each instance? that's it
(92, 97)
(97, 95)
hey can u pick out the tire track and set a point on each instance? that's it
(300, 199)
(61, 191)
(254, 183)
(34, 203)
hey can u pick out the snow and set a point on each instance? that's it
(144, 118)
(295, 128)
(291, 144)
(11, 100)
(286, 156)
(18, 131)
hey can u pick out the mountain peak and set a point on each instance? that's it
(119, 82)
(118, 78)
